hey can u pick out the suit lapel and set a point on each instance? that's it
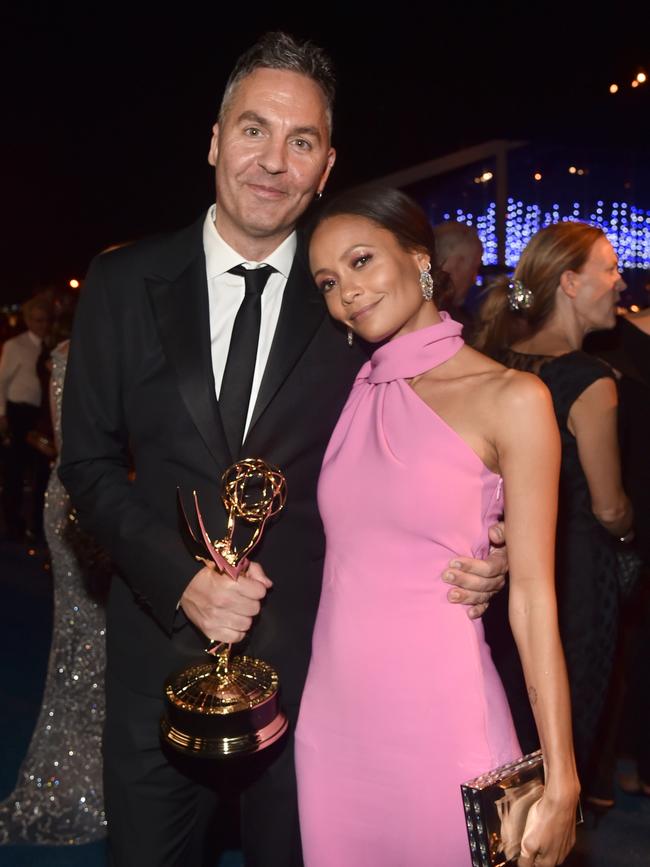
(183, 318)
(301, 314)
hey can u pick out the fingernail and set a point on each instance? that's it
(455, 564)
(448, 577)
(454, 595)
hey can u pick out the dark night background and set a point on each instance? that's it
(107, 108)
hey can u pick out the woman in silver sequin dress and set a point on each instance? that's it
(58, 798)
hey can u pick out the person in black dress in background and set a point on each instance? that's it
(627, 349)
(566, 285)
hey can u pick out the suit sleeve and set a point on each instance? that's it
(95, 462)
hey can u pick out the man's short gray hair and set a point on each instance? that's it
(278, 50)
(451, 235)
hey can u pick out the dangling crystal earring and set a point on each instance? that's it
(350, 337)
(426, 283)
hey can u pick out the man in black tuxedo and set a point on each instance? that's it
(147, 378)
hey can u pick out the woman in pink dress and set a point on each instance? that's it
(402, 702)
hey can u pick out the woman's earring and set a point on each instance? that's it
(350, 337)
(426, 283)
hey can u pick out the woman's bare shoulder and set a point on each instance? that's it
(499, 393)
(521, 415)
(518, 387)
(509, 384)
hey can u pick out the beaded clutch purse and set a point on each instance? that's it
(496, 807)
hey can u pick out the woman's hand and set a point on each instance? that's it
(550, 831)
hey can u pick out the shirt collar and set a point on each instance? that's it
(36, 340)
(220, 257)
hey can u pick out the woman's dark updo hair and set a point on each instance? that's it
(392, 210)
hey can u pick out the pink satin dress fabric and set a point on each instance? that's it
(402, 702)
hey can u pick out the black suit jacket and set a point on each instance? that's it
(140, 389)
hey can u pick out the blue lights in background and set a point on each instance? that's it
(626, 226)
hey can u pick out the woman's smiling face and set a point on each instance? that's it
(369, 281)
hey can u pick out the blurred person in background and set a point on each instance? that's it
(58, 798)
(627, 349)
(460, 252)
(566, 285)
(21, 401)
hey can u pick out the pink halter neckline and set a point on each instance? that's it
(416, 352)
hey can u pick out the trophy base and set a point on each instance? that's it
(216, 711)
(220, 747)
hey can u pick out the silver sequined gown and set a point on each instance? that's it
(58, 798)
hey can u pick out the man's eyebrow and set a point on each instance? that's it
(307, 130)
(254, 117)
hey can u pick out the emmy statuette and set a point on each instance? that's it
(228, 705)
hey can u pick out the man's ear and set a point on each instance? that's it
(331, 159)
(214, 145)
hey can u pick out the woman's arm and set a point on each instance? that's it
(528, 447)
(593, 422)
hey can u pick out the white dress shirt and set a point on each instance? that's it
(19, 382)
(226, 292)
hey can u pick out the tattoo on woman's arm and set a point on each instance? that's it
(532, 695)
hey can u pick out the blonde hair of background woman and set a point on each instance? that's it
(550, 252)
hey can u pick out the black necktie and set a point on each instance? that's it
(235, 393)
